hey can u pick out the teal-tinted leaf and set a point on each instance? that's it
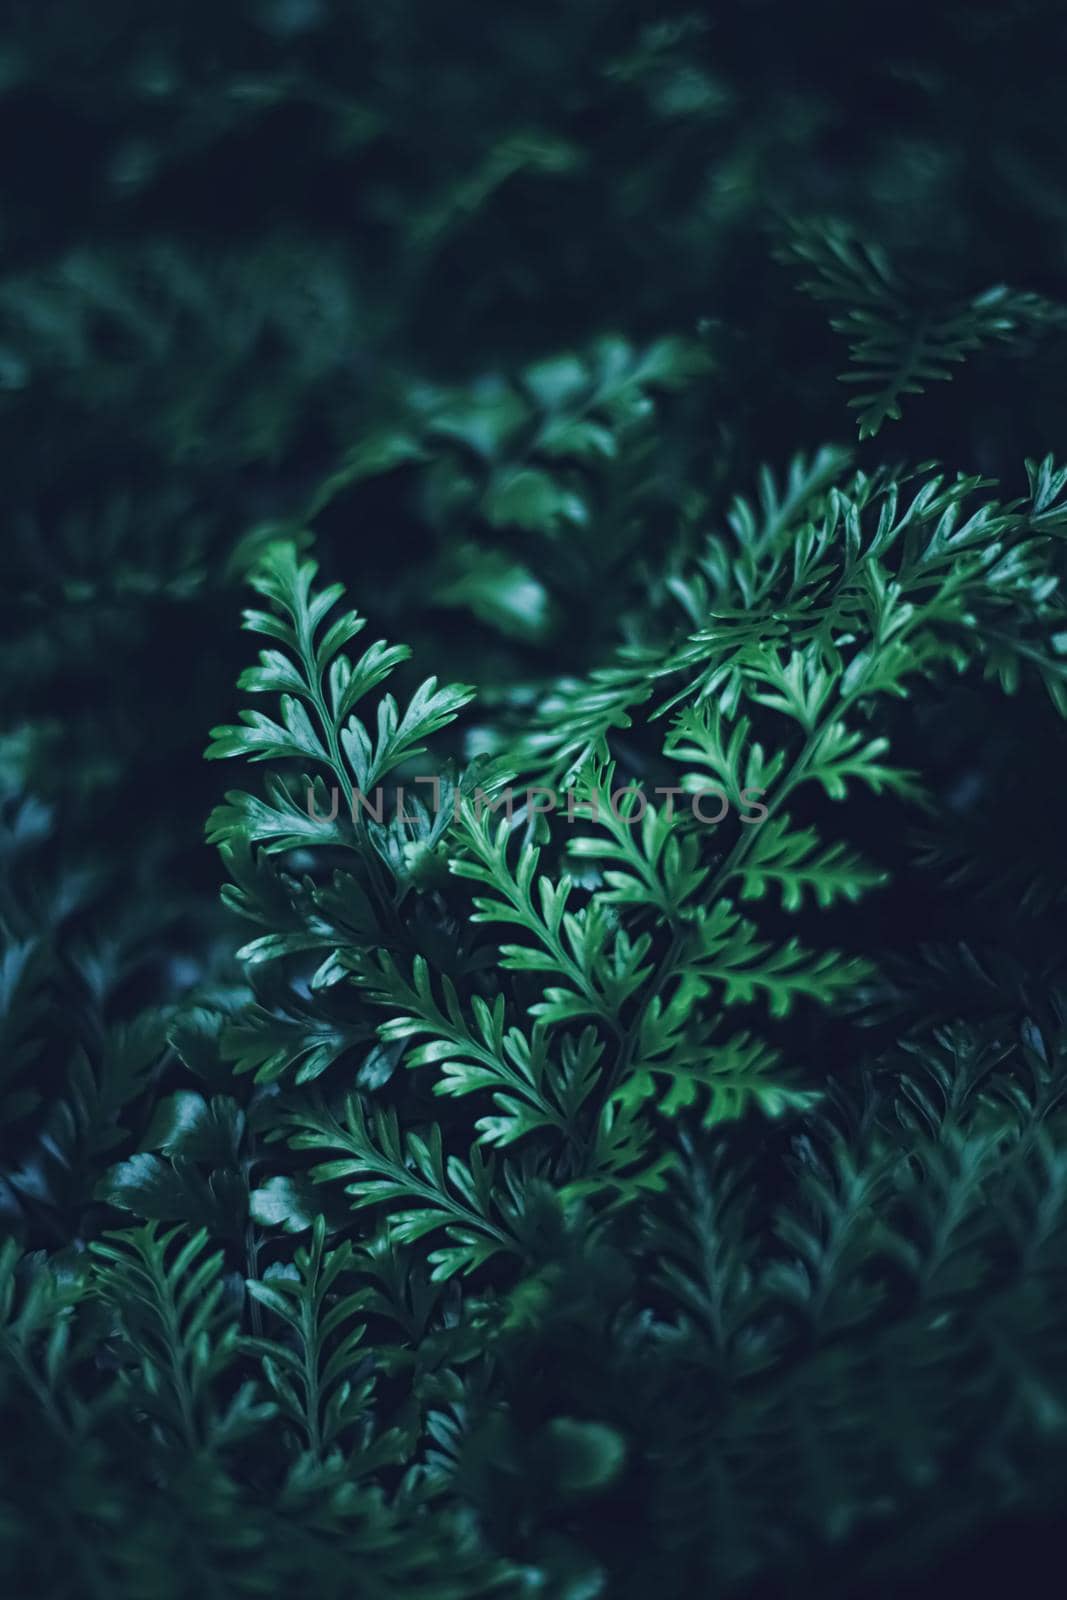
(284, 1202)
(532, 500)
(185, 1124)
(585, 1456)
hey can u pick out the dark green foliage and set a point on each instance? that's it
(610, 1137)
(898, 344)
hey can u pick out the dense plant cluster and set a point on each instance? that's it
(521, 1183)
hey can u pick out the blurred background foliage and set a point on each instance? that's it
(497, 306)
(490, 303)
(424, 280)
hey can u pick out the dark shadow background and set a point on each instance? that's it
(236, 240)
